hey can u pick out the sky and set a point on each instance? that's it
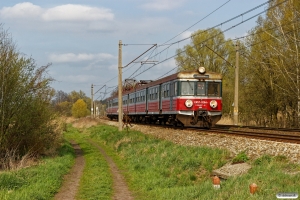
(80, 38)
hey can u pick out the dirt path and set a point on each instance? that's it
(121, 191)
(71, 180)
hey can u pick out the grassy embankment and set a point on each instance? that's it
(157, 169)
(45, 179)
(154, 169)
(37, 182)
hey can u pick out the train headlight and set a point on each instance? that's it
(201, 70)
(188, 103)
(213, 103)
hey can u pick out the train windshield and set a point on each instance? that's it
(214, 89)
(187, 88)
(201, 88)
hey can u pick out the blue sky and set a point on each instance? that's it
(80, 38)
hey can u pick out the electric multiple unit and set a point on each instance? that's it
(191, 98)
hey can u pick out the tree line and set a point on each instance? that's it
(76, 104)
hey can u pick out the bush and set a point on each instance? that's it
(26, 125)
(79, 109)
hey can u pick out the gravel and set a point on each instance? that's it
(254, 148)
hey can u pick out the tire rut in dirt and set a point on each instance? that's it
(121, 191)
(71, 180)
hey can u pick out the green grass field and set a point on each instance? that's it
(159, 169)
(153, 168)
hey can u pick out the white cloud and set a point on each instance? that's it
(22, 10)
(71, 57)
(162, 4)
(71, 12)
(186, 34)
(68, 12)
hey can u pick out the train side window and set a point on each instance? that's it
(214, 89)
(201, 88)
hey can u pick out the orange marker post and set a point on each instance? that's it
(216, 182)
(253, 188)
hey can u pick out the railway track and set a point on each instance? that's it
(263, 133)
(282, 135)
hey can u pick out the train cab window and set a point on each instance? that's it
(187, 88)
(214, 89)
(201, 88)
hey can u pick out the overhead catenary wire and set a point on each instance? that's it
(219, 33)
(243, 21)
(220, 24)
(171, 38)
(159, 53)
(197, 22)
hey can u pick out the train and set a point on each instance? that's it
(184, 99)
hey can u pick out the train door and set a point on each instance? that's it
(159, 98)
(147, 98)
(172, 91)
(125, 105)
(137, 95)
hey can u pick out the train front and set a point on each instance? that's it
(200, 98)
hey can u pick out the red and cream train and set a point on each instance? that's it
(192, 98)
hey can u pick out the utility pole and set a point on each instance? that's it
(120, 109)
(236, 88)
(298, 95)
(92, 101)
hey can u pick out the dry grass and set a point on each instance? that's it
(12, 161)
(85, 122)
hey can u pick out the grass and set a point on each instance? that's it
(157, 169)
(153, 168)
(96, 181)
(37, 182)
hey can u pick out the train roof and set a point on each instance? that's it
(179, 75)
